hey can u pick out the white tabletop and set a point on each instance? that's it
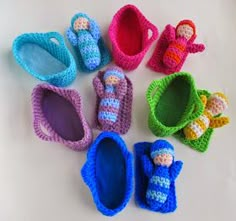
(40, 181)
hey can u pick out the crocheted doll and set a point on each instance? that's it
(84, 33)
(214, 106)
(162, 173)
(111, 95)
(174, 46)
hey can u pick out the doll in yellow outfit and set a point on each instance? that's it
(214, 106)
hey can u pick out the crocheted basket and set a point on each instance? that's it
(128, 33)
(46, 57)
(88, 42)
(108, 173)
(58, 117)
(173, 103)
(202, 143)
(141, 182)
(123, 123)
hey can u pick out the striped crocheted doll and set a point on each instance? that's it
(111, 95)
(181, 41)
(162, 173)
(214, 105)
(84, 33)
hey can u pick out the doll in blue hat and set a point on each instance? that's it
(162, 172)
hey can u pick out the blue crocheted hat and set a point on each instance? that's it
(161, 147)
(114, 71)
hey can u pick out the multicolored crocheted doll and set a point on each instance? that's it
(214, 106)
(174, 46)
(162, 173)
(84, 33)
(115, 89)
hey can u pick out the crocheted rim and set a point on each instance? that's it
(162, 84)
(202, 143)
(39, 119)
(142, 20)
(88, 172)
(27, 37)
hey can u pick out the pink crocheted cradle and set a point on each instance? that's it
(128, 33)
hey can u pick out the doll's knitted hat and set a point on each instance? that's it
(187, 22)
(161, 147)
(114, 71)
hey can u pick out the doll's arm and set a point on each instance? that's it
(170, 33)
(72, 37)
(175, 169)
(194, 48)
(219, 122)
(98, 86)
(94, 30)
(147, 166)
(121, 89)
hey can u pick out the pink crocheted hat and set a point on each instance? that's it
(128, 33)
(58, 117)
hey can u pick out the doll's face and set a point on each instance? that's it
(185, 31)
(163, 159)
(112, 80)
(81, 24)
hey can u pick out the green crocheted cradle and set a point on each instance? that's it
(202, 143)
(173, 102)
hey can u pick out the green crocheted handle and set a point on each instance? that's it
(151, 91)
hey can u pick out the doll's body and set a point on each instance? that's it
(180, 42)
(162, 173)
(84, 34)
(214, 106)
(111, 95)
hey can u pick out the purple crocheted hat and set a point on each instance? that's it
(114, 100)
(59, 112)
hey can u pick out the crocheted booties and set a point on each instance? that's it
(173, 47)
(128, 33)
(59, 112)
(173, 102)
(203, 127)
(114, 100)
(46, 57)
(84, 34)
(108, 173)
(156, 172)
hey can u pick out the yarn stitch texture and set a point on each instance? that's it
(88, 172)
(173, 47)
(85, 36)
(129, 24)
(191, 110)
(155, 185)
(114, 103)
(201, 144)
(40, 121)
(59, 51)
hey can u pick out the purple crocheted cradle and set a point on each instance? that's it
(123, 104)
(58, 117)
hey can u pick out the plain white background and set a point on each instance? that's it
(40, 181)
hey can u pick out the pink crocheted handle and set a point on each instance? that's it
(39, 132)
(154, 31)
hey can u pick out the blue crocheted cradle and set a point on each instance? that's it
(141, 182)
(108, 173)
(46, 57)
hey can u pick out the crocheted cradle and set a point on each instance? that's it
(46, 57)
(123, 122)
(58, 117)
(108, 173)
